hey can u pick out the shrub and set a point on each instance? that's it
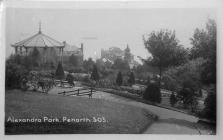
(86, 79)
(188, 97)
(152, 93)
(210, 106)
(119, 79)
(14, 75)
(59, 72)
(94, 74)
(173, 99)
(70, 79)
(131, 79)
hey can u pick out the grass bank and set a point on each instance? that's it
(102, 116)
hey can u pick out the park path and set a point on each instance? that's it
(169, 121)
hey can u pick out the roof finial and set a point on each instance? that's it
(40, 27)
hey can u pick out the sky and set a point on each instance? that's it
(103, 28)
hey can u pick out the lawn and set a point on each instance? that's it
(53, 113)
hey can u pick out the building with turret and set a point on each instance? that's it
(114, 53)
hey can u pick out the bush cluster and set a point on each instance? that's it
(15, 75)
(152, 93)
(70, 79)
(210, 106)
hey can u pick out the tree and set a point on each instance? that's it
(165, 50)
(60, 72)
(100, 65)
(186, 81)
(88, 64)
(14, 75)
(187, 75)
(74, 60)
(121, 65)
(204, 45)
(131, 79)
(152, 93)
(94, 74)
(104, 68)
(142, 71)
(119, 79)
(204, 41)
(188, 97)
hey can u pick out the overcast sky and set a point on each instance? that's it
(103, 28)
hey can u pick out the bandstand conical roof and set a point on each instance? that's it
(38, 40)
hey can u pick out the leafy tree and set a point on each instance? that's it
(204, 41)
(142, 71)
(165, 50)
(152, 93)
(104, 68)
(204, 45)
(74, 60)
(121, 65)
(108, 64)
(185, 80)
(14, 74)
(131, 79)
(187, 95)
(88, 64)
(94, 74)
(119, 79)
(100, 65)
(60, 72)
(173, 99)
(187, 75)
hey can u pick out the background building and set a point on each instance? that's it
(114, 53)
(73, 52)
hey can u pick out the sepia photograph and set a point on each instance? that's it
(81, 70)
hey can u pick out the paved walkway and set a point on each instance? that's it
(169, 122)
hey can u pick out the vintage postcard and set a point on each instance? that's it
(109, 68)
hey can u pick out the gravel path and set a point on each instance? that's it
(169, 122)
